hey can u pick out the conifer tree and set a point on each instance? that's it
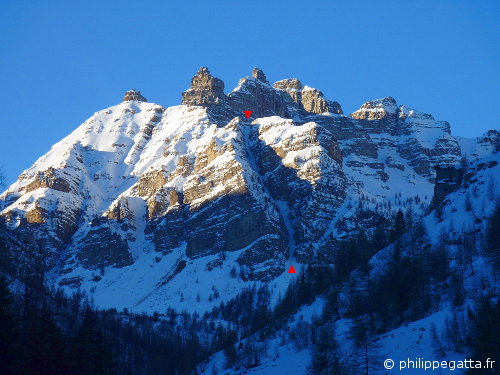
(325, 359)
(493, 237)
(9, 331)
(90, 353)
(367, 357)
(230, 356)
(399, 225)
(44, 346)
(436, 343)
(484, 333)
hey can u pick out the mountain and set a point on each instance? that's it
(138, 186)
(145, 207)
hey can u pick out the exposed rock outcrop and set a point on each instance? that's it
(377, 109)
(259, 75)
(205, 89)
(313, 100)
(52, 179)
(305, 98)
(134, 95)
(36, 215)
(290, 85)
(448, 180)
(491, 137)
(103, 247)
(255, 94)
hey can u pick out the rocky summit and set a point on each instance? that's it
(141, 194)
(134, 95)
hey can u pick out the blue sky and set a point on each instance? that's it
(61, 61)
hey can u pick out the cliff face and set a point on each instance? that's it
(448, 180)
(139, 189)
(205, 89)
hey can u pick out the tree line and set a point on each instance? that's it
(43, 331)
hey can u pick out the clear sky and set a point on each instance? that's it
(61, 61)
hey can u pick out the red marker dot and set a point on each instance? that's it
(247, 113)
(292, 270)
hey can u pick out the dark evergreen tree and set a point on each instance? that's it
(366, 355)
(9, 331)
(230, 356)
(331, 310)
(399, 225)
(380, 239)
(395, 291)
(90, 352)
(493, 236)
(484, 334)
(440, 263)
(325, 359)
(436, 342)
(420, 254)
(44, 346)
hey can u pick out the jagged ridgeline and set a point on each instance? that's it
(145, 207)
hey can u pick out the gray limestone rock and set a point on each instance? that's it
(134, 95)
(314, 101)
(205, 89)
(254, 94)
(306, 98)
(448, 179)
(259, 75)
(103, 247)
